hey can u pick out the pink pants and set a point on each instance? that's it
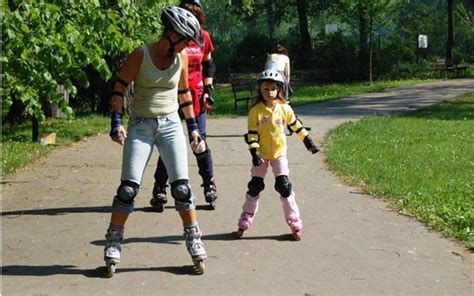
(290, 208)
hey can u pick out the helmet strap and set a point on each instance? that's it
(173, 44)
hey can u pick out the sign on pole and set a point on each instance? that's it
(422, 41)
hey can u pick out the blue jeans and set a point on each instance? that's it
(205, 164)
(166, 132)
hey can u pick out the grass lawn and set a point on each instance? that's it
(18, 151)
(422, 162)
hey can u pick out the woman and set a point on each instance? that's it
(200, 77)
(278, 60)
(160, 75)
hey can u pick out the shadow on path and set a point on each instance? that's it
(100, 209)
(99, 272)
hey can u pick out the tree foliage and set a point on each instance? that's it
(46, 45)
(79, 44)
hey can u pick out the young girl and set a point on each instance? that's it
(266, 138)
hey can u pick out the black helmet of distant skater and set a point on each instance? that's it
(183, 22)
(271, 75)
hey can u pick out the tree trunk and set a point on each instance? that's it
(450, 42)
(35, 128)
(306, 47)
(270, 18)
(364, 49)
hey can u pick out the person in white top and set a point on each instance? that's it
(278, 60)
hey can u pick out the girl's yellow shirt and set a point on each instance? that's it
(267, 129)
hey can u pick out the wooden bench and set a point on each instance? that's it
(243, 90)
(444, 69)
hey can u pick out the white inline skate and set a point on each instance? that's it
(195, 247)
(112, 249)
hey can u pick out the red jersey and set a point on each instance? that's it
(195, 56)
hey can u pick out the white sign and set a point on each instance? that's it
(422, 41)
(330, 28)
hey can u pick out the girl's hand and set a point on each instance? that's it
(309, 144)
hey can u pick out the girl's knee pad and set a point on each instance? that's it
(255, 186)
(283, 185)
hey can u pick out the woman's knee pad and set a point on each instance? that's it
(127, 192)
(255, 186)
(283, 185)
(181, 191)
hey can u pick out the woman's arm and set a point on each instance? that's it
(127, 74)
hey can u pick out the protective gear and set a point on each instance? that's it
(201, 149)
(283, 185)
(183, 22)
(181, 191)
(115, 124)
(209, 89)
(255, 186)
(194, 2)
(127, 192)
(271, 75)
(296, 126)
(208, 69)
(121, 81)
(192, 126)
(309, 144)
(251, 137)
(256, 158)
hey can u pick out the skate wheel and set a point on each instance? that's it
(239, 233)
(297, 236)
(110, 269)
(212, 205)
(199, 267)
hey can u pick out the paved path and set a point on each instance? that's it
(56, 212)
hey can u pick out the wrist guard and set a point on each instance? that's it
(192, 125)
(256, 158)
(208, 89)
(115, 123)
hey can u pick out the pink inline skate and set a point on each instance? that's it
(296, 225)
(245, 221)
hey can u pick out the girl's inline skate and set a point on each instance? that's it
(296, 225)
(245, 222)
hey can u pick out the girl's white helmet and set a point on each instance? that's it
(271, 75)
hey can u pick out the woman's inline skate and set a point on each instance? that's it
(112, 249)
(195, 247)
